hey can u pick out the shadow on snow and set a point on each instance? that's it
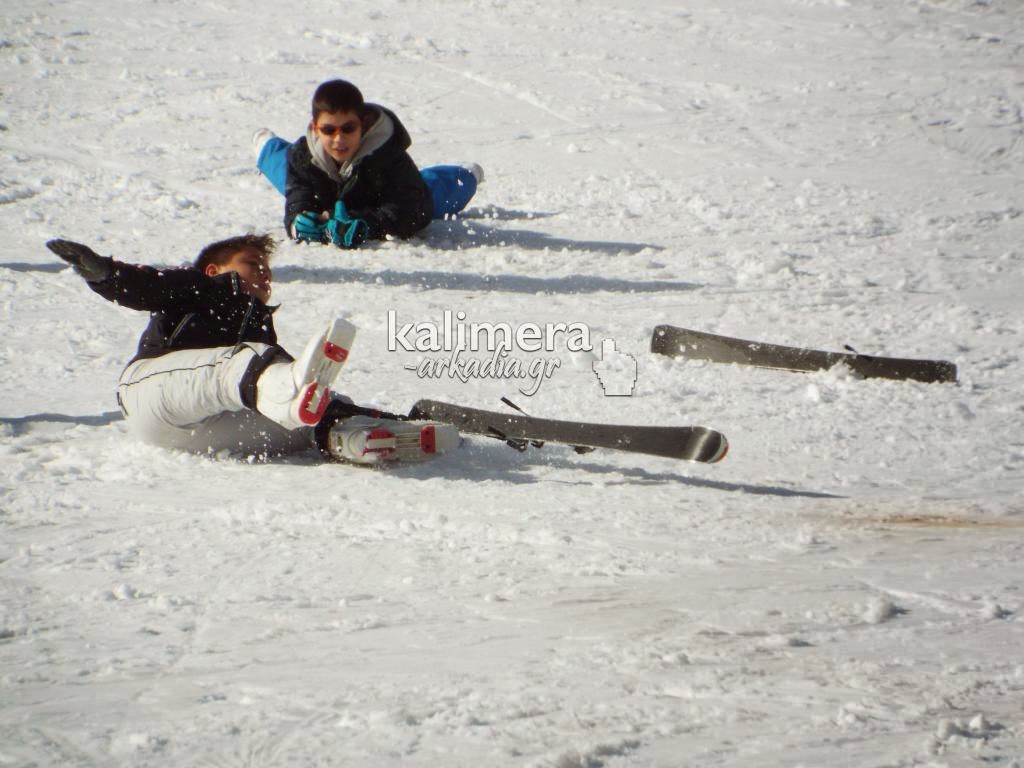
(465, 281)
(20, 424)
(478, 462)
(21, 266)
(468, 232)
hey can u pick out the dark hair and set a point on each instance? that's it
(337, 96)
(220, 252)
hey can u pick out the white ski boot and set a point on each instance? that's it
(366, 440)
(259, 139)
(296, 394)
(476, 170)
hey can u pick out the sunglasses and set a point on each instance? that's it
(346, 128)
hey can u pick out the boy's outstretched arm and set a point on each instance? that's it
(87, 263)
(146, 288)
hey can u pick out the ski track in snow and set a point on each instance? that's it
(846, 585)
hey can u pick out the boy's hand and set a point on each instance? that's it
(89, 264)
(309, 228)
(344, 231)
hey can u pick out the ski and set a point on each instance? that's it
(682, 342)
(688, 443)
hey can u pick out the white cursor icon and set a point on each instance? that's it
(615, 370)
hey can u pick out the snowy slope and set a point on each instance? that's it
(843, 589)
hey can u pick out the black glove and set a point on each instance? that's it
(89, 264)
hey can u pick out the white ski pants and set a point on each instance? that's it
(191, 400)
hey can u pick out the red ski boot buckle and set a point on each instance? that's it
(336, 353)
(381, 442)
(428, 439)
(312, 416)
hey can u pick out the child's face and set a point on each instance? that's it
(254, 272)
(340, 133)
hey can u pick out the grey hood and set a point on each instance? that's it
(375, 137)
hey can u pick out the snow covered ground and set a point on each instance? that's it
(844, 589)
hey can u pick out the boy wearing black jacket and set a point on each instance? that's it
(209, 375)
(350, 178)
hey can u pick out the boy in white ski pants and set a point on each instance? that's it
(190, 400)
(209, 375)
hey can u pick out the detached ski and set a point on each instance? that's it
(688, 443)
(681, 342)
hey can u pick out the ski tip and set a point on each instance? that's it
(723, 449)
(713, 447)
(707, 446)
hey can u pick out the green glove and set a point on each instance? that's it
(344, 231)
(308, 228)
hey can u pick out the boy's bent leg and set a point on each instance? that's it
(229, 397)
(193, 400)
(451, 186)
(296, 394)
(272, 161)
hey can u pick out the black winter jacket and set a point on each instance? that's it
(189, 310)
(384, 188)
